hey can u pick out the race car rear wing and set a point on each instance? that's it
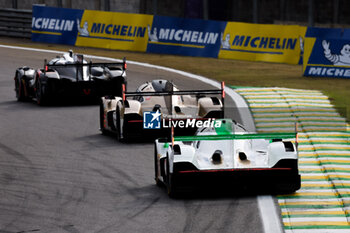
(184, 92)
(228, 136)
(79, 65)
(273, 136)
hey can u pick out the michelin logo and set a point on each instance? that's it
(225, 43)
(321, 71)
(342, 59)
(152, 36)
(110, 31)
(84, 31)
(181, 35)
(52, 24)
(257, 42)
(151, 120)
(118, 30)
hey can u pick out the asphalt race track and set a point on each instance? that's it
(59, 174)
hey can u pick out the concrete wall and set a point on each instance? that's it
(325, 12)
(128, 6)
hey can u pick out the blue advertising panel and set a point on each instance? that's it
(190, 37)
(327, 53)
(323, 32)
(346, 33)
(55, 25)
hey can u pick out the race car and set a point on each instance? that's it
(224, 156)
(69, 77)
(164, 105)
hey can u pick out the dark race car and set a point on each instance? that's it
(69, 77)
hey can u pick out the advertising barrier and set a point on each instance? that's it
(191, 37)
(258, 42)
(113, 30)
(168, 35)
(55, 25)
(327, 53)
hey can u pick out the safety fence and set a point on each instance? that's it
(16, 23)
(323, 202)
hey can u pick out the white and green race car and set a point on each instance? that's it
(225, 155)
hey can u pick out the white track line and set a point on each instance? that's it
(268, 210)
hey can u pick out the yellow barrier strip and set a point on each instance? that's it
(177, 44)
(48, 33)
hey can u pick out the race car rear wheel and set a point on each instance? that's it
(19, 88)
(102, 119)
(41, 94)
(156, 175)
(172, 189)
(117, 125)
(171, 184)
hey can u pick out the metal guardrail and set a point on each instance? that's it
(16, 23)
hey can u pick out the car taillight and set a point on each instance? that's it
(223, 89)
(123, 90)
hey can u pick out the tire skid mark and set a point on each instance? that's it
(14, 153)
(144, 209)
(70, 198)
(27, 231)
(228, 215)
(70, 229)
(117, 171)
(191, 213)
(12, 197)
(116, 182)
(67, 201)
(208, 227)
(22, 206)
(119, 223)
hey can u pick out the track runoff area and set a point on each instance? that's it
(323, 202)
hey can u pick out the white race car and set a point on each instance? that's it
(225, 156)
(125, 117)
